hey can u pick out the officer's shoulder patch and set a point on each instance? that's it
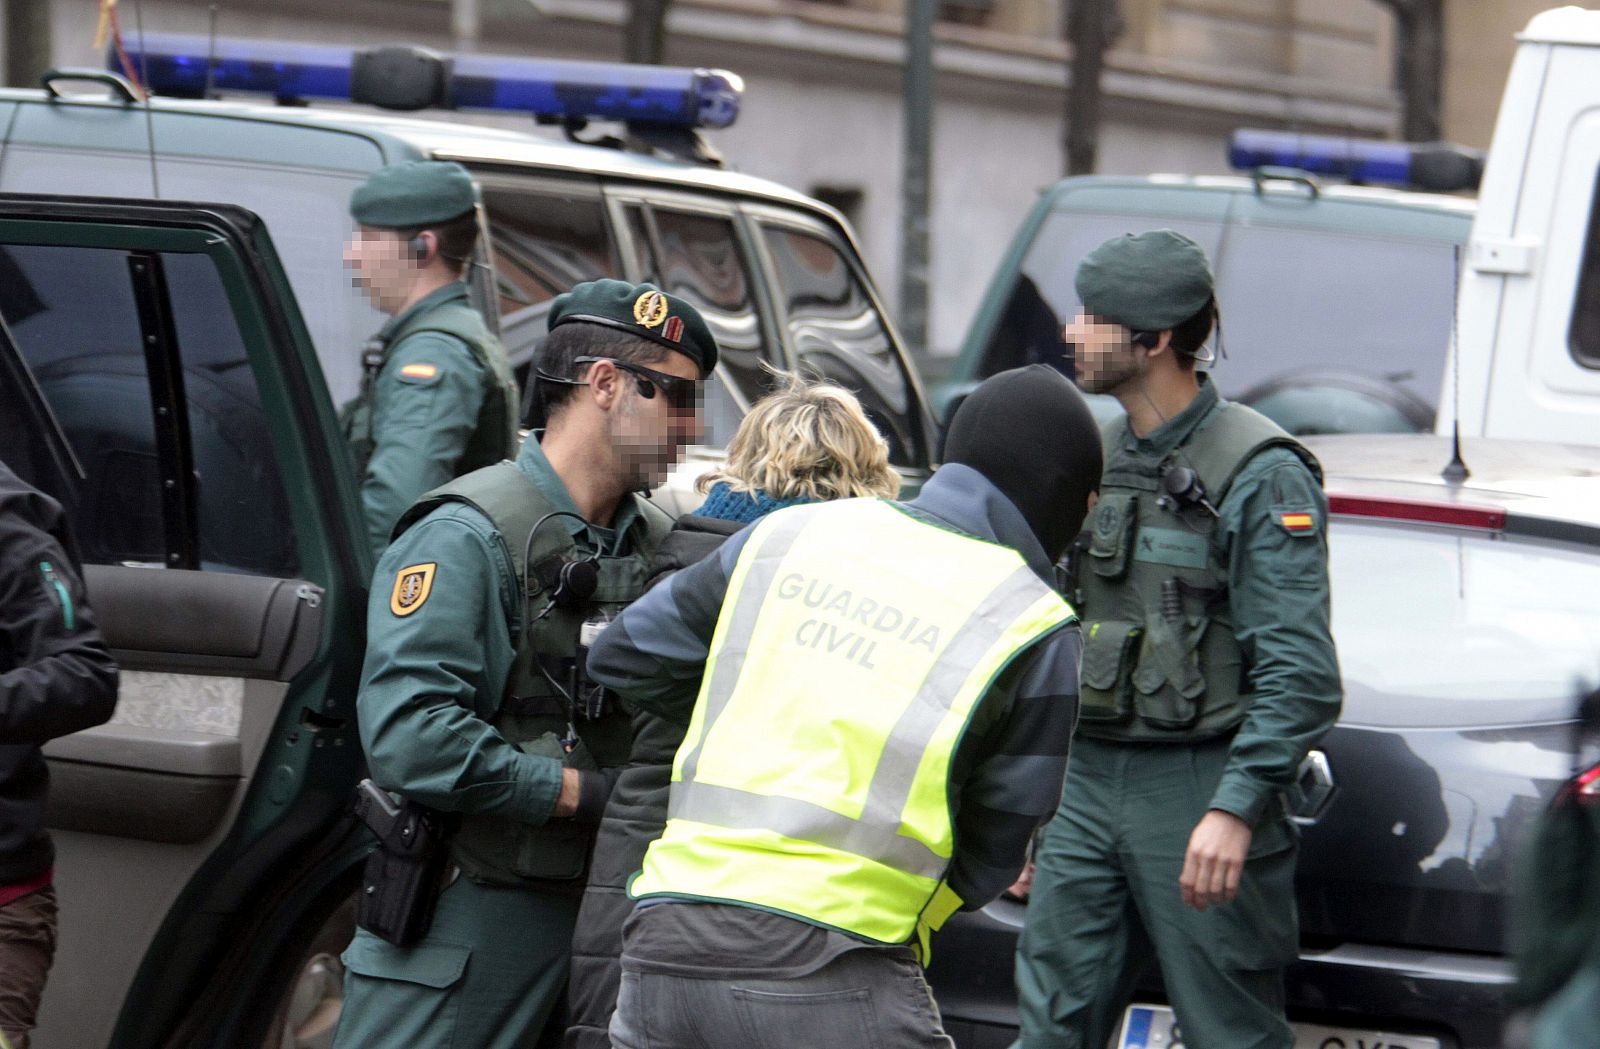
(1295, 522)
(412, 585)
(419, 372)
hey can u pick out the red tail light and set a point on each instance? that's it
(1458, 514)
(1587, 785)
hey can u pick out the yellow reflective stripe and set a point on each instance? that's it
(876, 834)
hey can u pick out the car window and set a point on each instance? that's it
(835, 332)
(698, 257)
(1491, 628)
(111, 391)
(1584, 337)
(544, 243)
(306, 210)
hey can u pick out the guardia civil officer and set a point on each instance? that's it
(1208, 673)
(472, 699)
(437, 397)
(879, 698)
(56, 677)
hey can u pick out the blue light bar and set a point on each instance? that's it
(412, 78)
(1358, 160)
(1434, 165)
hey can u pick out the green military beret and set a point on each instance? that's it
(412, 195)
(1147, 282)
(639, 309)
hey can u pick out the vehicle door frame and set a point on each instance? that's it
(289, 843)
(756, 215)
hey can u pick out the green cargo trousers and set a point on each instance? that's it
(1105, 894)
(488, 974)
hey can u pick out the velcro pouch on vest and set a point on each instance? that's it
(1167, 681)
(1109, 648)
(1112, 526)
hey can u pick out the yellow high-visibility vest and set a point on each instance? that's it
(852, 648)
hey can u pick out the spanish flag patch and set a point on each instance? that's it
(419, 371)
(1297, 521)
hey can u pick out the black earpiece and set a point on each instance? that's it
(419, 247)
(1147, 339)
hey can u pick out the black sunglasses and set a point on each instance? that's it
(683, 395)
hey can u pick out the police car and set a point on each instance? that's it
(170, 372)
(1336, 299)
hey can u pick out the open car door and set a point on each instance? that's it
(174, 405)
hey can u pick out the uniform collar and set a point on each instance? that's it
(532, 462)
(964, 499)
(1161, 441)
(438, 297)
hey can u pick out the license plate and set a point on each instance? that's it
(1154, 1027)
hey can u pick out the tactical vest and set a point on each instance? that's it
(495, 436)
(858, 676)
(531, 713)
(1161, 661)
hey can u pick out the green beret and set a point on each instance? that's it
(639, 309)
(412, 195)
(1147, 282)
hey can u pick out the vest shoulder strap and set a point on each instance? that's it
(512, 502)
(1221, 448)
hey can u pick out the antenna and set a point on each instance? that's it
(1455, 472)
(144, 82)
(211, 52)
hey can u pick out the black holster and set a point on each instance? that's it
(401, 882)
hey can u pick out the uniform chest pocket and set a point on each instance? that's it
(1111, 533)
(1109, 647)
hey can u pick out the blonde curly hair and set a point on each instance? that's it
(807, 440)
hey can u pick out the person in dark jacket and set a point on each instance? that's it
(888, 694)
(56, 677)
(807, 442)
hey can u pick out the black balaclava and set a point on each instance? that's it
(1029, 432)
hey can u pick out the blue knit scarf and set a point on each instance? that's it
(725, 504)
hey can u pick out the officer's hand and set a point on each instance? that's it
(1215, 859)
(567, 800)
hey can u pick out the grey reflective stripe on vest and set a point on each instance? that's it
(876, 834)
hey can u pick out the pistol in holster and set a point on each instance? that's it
(400, 884)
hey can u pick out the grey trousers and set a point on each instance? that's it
(864, 1000)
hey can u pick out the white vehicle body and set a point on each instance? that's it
(1528, 312)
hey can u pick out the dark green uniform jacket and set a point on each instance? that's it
(457, 713)
(1198, 625)
(437, 401)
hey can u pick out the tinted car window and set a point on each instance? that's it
(544, 243)
(836, 332)
(1584, 338)
(91, 367)
(1491, 630)
(698, 257)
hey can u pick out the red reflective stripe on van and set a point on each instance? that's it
(1459, 514)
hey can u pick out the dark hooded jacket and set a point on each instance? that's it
(635, 815)
(56, 676)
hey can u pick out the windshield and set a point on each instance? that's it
(1358, 303)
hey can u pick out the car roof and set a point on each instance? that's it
(1554, 482)
(1464, 206)
(472, 143)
